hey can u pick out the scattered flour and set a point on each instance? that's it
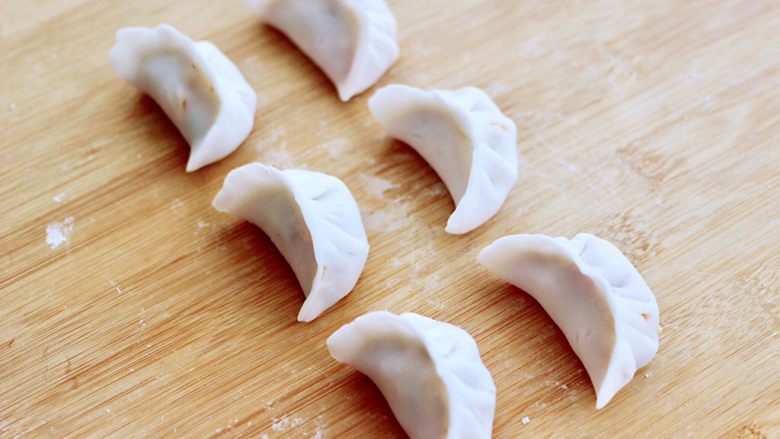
(280, 424)
(12, 107)
(201, 224)
(335, 148)
(116, 287)
(377, 186)
(59, 197)
(497, 88)
(570, 166)
(436, 304)
(279, 158)
(385, 221)
(59, 233)
(532, 48)
(273, 149)
(253, 68)
(526, 420)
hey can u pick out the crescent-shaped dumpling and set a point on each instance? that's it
(593, 293)
(195, 84)
(353, 41)
(429, 372)
(311, 218)
(464, 137)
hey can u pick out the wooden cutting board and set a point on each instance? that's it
(131, 308)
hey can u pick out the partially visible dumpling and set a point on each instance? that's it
(196, 85)
(464, 137)
(312, 219)
(430, 373)
(593, 293)
(353, 41)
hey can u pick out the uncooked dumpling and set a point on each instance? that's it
(311, 218)
(197, 86)
(430, 372)
(593, 293)
(464, 137)
(353, 41)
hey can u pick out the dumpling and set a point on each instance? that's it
(593, 293)
(195, 84)
(465, 139)
(430, 372)
(353, 41)
(311, 218)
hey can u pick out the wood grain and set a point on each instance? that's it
(654, 124)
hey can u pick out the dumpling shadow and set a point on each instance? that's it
(416, 174)
(262, 284)
(533, 342)
(285, 49)
(159, 130)
(371, 405)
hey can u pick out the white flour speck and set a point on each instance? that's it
(12, 107)
(318, 434)
(176, 204)
(526, 420)
(387, 222)
(377, 186)
(264, 436)
(648, 374)
(693, 73)
(296, 422)
(59, 233)
(497, 88)
(273, 149)
(532, 48)
(116, 287)
(201, 224)
(335, 148)
(59, 197)
(436, 305)
(570, 166)
(280, 158)
(280, 424)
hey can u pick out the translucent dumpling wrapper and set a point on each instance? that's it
(196, 85)
(464, 137)
(593, 293)
(311, 218)
(353, 41)
(430, 373)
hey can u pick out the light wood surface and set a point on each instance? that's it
(653, 124)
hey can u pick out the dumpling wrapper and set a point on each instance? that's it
(196, 85)
(593, 293)
(353, 41)
(311, 218)
(464, 137)
(430, 373)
